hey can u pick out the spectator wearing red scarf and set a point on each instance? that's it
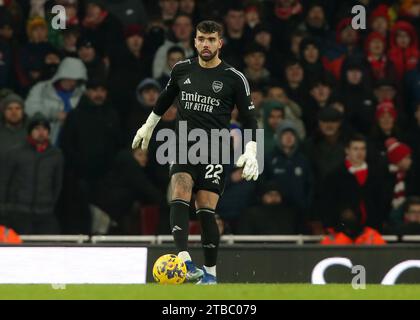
(402, 172)
(355, 185)
(404, 52)
(380, 66)
(35, 179)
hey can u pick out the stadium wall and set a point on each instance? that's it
(238, 263)
(309, 263)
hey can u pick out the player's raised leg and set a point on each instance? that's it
(206, 203)
(181, 188)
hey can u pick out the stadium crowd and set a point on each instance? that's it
(340, 108)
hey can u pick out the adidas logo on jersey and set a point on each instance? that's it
(215, 181)
(188, 81)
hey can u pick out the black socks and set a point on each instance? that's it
(180, 216)
(210, 236)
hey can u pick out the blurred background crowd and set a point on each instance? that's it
(340, 108)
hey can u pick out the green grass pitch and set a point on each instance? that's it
(221, 291)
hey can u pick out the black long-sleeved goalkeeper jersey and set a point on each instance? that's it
(207, 96)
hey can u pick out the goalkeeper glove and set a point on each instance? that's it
(249, 161)
(144, 134)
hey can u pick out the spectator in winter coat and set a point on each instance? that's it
(31, 56)
(50, 64)
(287, 15)
(350, 231)
(235, 36)
(325, 149)
(90, 140)
(95, 66)
(102, 28)
(147, 94)
(175, 54)
(355, 91)
(316, 24)
(289, 168)
(292, 110)
(346, 45)
(255, 69)
(388, 91)
(321, 96)
(404, 49)
(263, 35)
(12, 123)
(13, 135)
(310, 53)
(385, 127)
(295, 83)
(403, 178)
(56, 97)
(356, 185)
(91, 135)
(274, 114)
(131, 64)
(271, 216)
(183, 33)
(34, 182)
(380, 20)
(408, 223)
(71, 36)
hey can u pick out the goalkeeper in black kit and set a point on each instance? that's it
(207, 90)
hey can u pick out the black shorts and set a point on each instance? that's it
(209, 177)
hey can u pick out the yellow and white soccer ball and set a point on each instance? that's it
(169, 269)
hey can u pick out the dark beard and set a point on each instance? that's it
(209, 58)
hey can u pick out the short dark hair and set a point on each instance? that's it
(185, 15)
(292, 62)
(357, 137)
(175, 49)
(254, 48)
(210, 26)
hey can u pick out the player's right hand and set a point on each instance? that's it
(142, 137)
(144, 134)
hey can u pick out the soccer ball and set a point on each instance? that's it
(169, 269)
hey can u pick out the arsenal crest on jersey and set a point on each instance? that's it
(217, 86)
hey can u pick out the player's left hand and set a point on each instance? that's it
(249, 162)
